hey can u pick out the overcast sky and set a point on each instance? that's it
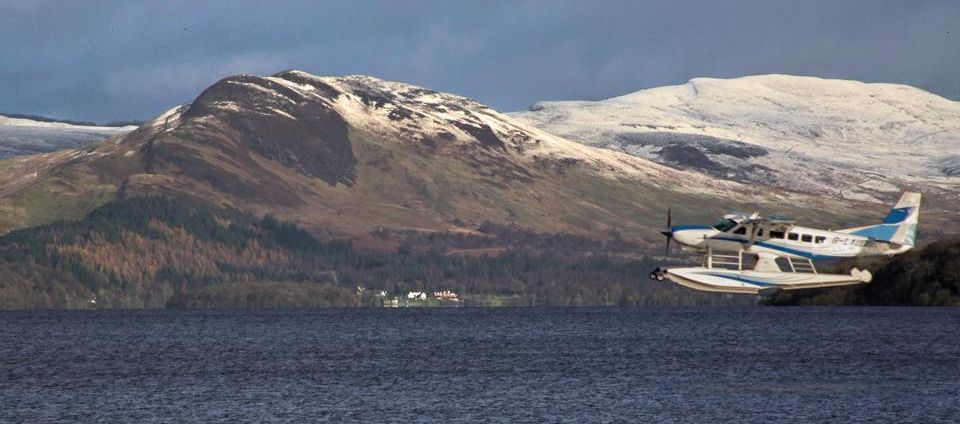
(111, 60)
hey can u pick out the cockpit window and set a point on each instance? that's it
(724, 224)
(742, 231)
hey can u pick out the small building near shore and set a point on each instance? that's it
(446, 295)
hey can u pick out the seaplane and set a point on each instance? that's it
(752, 254)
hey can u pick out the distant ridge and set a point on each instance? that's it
(41, 118)
(22, 134)
(814, 135)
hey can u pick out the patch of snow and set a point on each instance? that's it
(226, 105)
(262, 89)
(282, 113)
(290, 84)
(881, 186)
(166, 120)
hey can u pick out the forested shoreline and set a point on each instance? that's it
(155, 252)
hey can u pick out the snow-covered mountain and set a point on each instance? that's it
(26, 136)
(820, 136)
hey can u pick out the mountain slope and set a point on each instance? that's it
(813, 135)
(20, 136)
(347, 155)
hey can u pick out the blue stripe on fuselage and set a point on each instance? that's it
(784, 249)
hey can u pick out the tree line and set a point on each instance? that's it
(153, 252)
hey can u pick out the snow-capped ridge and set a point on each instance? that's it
(820, 134)
(24, 122)
(20, 136)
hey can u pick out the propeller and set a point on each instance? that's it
(669, 231)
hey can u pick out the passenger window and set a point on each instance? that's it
(741, 231)
(760, 232)
(776, 234)
(793, 236)
(820, 239)
(806, 238)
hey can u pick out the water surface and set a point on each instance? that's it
(724, 364)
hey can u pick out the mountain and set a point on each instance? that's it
(348, 155)
(825, 137)
(22, 136)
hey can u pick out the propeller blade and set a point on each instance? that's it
(669, 231)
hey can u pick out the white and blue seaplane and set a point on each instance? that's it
(755, 255)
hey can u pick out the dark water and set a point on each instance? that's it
(489, 365)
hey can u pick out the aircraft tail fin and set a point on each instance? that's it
(899, 226)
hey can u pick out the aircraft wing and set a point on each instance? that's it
(771, 223)
(757, 223)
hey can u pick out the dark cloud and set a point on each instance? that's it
(122, 60)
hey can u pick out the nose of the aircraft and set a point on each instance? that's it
(687, 237)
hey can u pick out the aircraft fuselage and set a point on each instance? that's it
(799, 242)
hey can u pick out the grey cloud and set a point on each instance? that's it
(112, 60)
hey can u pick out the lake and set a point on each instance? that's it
(700, 364)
